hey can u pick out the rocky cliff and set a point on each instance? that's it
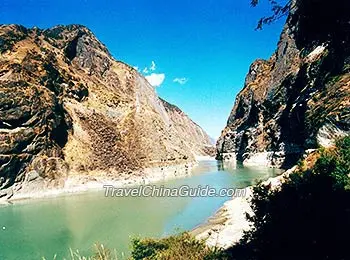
(299, 99)
(189, 130)
(67, 107)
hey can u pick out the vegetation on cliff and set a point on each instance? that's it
(308, 216)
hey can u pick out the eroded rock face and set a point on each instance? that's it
(299, 98)
(67, 107)
(187, 129)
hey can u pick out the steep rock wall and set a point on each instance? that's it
(299, 99)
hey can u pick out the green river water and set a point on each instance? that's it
(44, 227)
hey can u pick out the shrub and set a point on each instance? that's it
(308, 218)
(182, 246)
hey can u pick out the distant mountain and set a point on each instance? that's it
(67, 107)
(297, 100)
(201, 143)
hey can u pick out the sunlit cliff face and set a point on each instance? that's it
(66, 106)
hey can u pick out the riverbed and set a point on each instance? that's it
(47, 227)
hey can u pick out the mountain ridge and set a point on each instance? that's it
(68, 107)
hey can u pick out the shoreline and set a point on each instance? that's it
(80, 183)
(225, 228)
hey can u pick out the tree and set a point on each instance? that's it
(278, 11)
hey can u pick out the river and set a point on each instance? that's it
(46, 227)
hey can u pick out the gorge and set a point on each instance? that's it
(73, 117)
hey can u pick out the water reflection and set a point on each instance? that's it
(228, 165)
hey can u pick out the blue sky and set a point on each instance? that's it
(201, 49)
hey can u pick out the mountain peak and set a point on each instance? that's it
(67, 107)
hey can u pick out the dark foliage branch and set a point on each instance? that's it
(278, 11)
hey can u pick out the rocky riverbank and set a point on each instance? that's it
(78, 183)
(226, 227)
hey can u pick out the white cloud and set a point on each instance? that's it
(155, 79)
(181, 81)
(148, 70)
(136, 68)
(153, 66)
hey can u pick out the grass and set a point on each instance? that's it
(180, 246)
(101, 253)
